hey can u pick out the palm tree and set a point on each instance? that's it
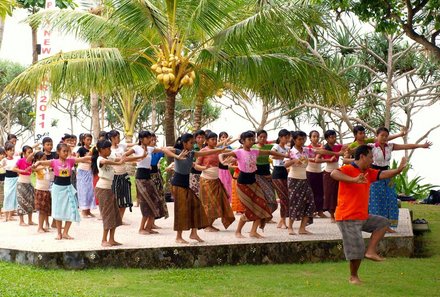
(6, 7)
(186, 45)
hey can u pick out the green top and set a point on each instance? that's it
(263, 160)
(355, 144)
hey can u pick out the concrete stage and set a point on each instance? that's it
(24, 245)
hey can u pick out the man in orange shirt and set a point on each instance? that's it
(352, 211)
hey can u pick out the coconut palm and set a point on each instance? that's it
(186, 46)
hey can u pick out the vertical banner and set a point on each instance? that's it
(42, 114)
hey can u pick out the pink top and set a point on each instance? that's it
(210, 160)
(60, 169)
(22, 164)
(336, 148)
(247, 160)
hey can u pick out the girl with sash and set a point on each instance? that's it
(42, 192)
(315, 175)
(11, 178)
(84, 179)
(212, 192)
(189, 213)
(64, 202)
(25, 190)
(279, 175)
(301, 204)
(224, 174)
(249, 191)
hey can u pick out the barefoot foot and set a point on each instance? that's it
(181, 240)
(290, 231)
(67, 236)
(239, 235)
(256, 235)
(106, 244)
(374, 257)
(354, 280)
(196, 237)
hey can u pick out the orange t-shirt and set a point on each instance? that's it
(353, 197)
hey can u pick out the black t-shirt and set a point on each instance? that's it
(52, 155)
(82, 151)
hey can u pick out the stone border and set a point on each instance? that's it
(203, 256)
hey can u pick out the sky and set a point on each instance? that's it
(17, 47)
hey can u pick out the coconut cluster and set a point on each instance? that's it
(167, 69)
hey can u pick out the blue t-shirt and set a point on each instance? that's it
(155, 158)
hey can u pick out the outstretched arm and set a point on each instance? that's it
(340, 176)
(410, 146)
(393, 172)
(209, 152)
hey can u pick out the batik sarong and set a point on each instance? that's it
(188, 210)
(300, 199)
(108, 207)
(25, 198)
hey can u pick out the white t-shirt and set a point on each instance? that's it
(10, 164)
(43, 178)
(283, 150)
(105, 174)
(118, 153)
(145, 162)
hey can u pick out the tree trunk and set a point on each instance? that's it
(102, 118)
(94, 106)
(34, 46)
(2, 29)
(153, 114)
(390, 67)
(198, 110)
(170, 106)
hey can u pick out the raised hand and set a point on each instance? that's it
(182, 155)
(403, 163)
(361, 179)
(427, 144)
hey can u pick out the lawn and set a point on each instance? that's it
(394, 277)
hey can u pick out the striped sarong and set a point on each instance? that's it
(255, 205)
(215, 201)
(266, 185)
(300, 199)
(108, 207)
(156, 177)
(25, 198)
(121, 186)
(149, 201)
(280, 186)
(84, 188)
(188, 210)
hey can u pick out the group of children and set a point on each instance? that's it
(210, 180)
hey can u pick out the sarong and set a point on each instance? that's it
(226, 178)
(108, 207)
(43, 201)
(235, 203)
(121, 186)
(383, 201)
(2, 193)
(330, 192)
(300, 199)
(188, 210)
(280, 186)
(84, 181)
(194, 183)
(265, 183)
(149, 201)
(64, 203)
(10, 201)
(215, 201)
(156, 177)
(316, 183)
(25, 198)
(255, 205)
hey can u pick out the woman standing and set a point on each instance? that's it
(315, 175)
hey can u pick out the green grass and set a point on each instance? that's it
(394, 277)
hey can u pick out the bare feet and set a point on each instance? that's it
(304, 232)
(239, 235)
(256, 235)
(106, 244)
(67, 236)
(322, 215)
(152, 232)
(282, 225)
(31, 223)
(115, 243)
(11, 219)
(42, 230)
(271, 222)
(181, 240)
(290, 231)
(333, 220)
(144, 232)
(196, 237)
(211, 229)
(354, 280)
(156, 227)
(374, 257)
(59, 237)
(23, 224)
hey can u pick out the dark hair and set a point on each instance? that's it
(2, 151)
(199, 132)
(47, 139)
(223, 133)
(102, 134)
(207, 131)
(183, 139)
(111, 134)
(11, 136)
(142, 135)
(282, 133)
(60, 146)
(295, 135)
(25, 149)
(362, 150)
(73, 136)
(153, 134)
(247, 134)
(311, 133)
(84, 136)
(357, 129)
(211, 135)
(329, 133)
(102, 144)
(38, 156)
(9, 146)
(80, 140)
(66, 136)
(382, 129)
(259, 132)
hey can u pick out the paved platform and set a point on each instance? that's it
(25, 245)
